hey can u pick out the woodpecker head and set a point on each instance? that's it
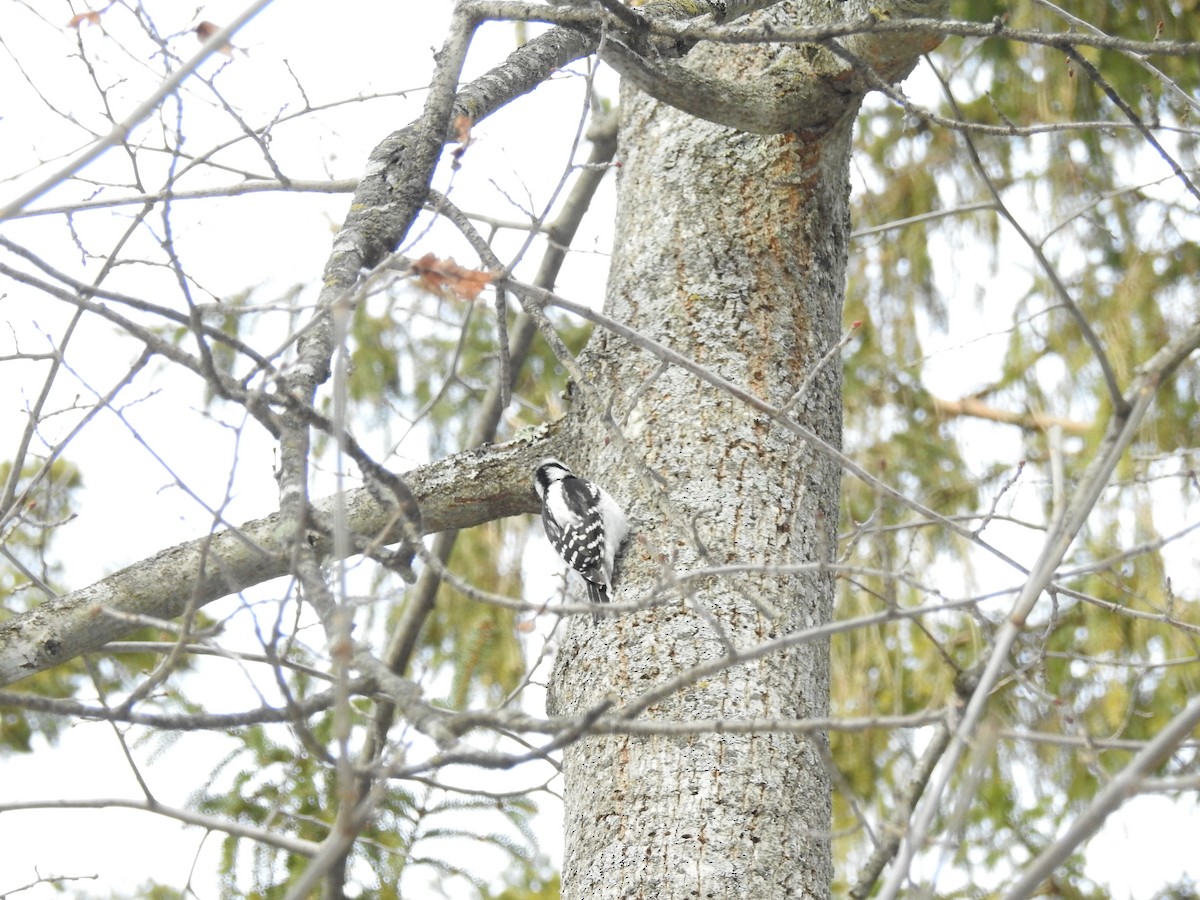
(548, 472)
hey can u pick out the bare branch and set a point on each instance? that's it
(741, 33)
(344, 186)
(121, 130)
(797, 93)
(269, 837)
(1048, 270)
(1094, 74)
(1121, 430)
(1124, 785)
(1031, 421)
(455, 493)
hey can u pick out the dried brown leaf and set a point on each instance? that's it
(441, 275)
(90, 16)
(462, 129)
(205, 30)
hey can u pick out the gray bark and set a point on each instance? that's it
(457, 492)
(730, 248)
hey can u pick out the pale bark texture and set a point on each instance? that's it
(458, 492)
(731, 248)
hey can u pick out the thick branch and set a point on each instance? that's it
(393, 190)
(803, 90)
(457, 492)
(394, 187)
(1030, 421)
(693, 30)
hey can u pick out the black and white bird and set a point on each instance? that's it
(584, 525)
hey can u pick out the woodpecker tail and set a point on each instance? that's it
(597, 593)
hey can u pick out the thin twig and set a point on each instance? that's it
(1121, 431)
(121, 130)
(1051, 274)
(1094, 74)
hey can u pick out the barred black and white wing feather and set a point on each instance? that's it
(584, 525)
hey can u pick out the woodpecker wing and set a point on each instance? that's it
(573, 524)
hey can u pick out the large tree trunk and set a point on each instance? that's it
(730, 248)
